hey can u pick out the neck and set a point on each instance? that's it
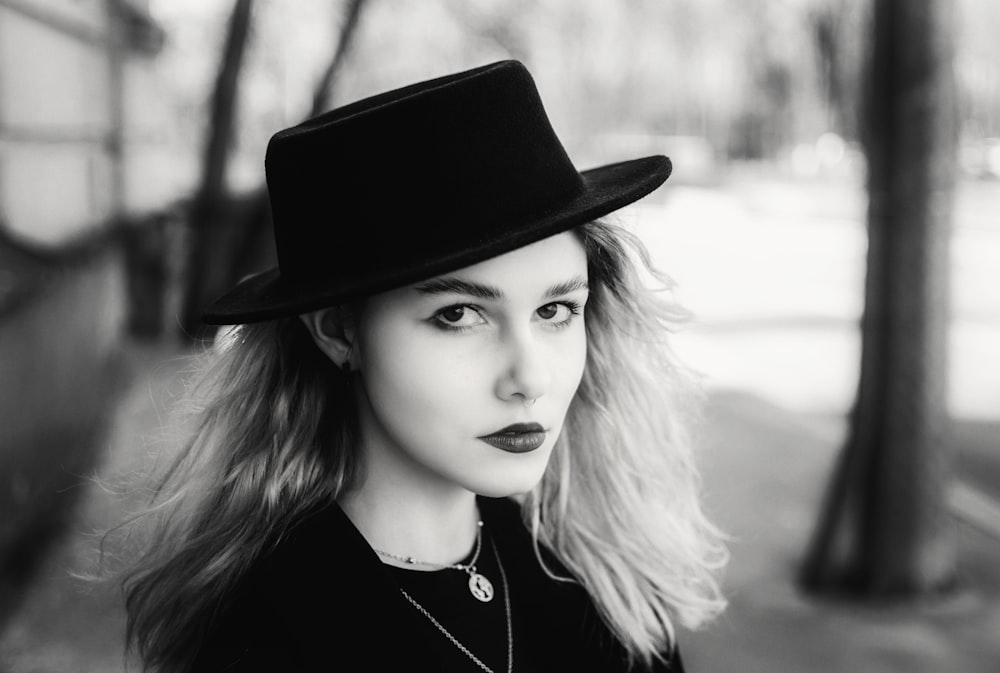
(438, 528)
(404, 508)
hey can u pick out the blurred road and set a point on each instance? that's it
(773, 270)
(774, 273)
(765, 472)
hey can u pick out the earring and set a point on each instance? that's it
(529, 402)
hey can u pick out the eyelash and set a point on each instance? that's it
(573, 307)
(574, 310)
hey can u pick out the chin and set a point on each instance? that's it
(505, 490)
(507, 480)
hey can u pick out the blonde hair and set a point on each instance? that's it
(274, 435)
(619, 502)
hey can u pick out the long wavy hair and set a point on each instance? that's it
(273, 432)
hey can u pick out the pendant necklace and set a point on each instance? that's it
(454, 641)
(479, 586)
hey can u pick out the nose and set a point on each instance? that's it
(526, 373)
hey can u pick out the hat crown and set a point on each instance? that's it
(441, 165)
(417, 182)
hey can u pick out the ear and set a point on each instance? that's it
(332, 330)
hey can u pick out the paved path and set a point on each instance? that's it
(68, 625)
(765, 471)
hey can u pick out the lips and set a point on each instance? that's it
(517, 438)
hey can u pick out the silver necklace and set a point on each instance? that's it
(506, 605)
(479, 585)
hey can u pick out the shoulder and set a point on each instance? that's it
(505, 520)
(548, 600)
(247, 634)
(319, 596)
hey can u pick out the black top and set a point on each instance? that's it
(323, 601)
(480, 627)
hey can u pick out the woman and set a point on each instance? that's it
(450, 327)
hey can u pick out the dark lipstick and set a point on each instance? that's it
(517, 438)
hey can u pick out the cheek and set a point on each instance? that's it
(414, 382)
(572, 360)
(420, 382)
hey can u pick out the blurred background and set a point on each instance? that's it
(831, 223)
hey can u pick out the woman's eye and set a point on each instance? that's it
(458, 317)
(453, 314)
(557, 312)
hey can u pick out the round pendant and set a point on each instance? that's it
(480, 587)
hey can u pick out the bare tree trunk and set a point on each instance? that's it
(206, 277)
(324, 89)
(831, 23)
(230, 240)
(251, 237)
(884, 531)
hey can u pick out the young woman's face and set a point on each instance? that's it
(466, 378)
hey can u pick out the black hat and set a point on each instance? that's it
(416, 182)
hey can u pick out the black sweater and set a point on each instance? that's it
(322, 601)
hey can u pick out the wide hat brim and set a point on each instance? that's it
(267, 296)
(416, 182)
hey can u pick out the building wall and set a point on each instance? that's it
(77, 103)
(59, 103)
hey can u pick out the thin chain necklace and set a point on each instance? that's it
(506, 605)
(479, 585)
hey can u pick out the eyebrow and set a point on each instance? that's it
(568, 287)
(452, 285)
